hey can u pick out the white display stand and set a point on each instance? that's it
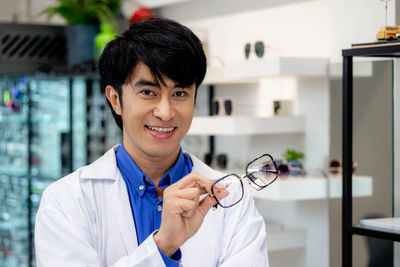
(234, 125)
(312, 188)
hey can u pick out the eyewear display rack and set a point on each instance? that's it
(348, 229)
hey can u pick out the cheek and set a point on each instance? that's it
(187, 113)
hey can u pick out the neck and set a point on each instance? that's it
(153, 166)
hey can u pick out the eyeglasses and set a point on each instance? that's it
(218, 105)
(260, 172)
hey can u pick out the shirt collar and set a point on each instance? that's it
(134, 175)
(174, 173)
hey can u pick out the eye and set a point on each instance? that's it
(147, 93)
(181, 93)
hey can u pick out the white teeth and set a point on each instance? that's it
(161, 130)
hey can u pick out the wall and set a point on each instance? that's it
(26, 11)
(356, 21)
(285, 27)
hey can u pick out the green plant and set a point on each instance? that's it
(291, 154)
(85, 11)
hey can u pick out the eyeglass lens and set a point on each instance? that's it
(215, 107)
(247, 48)
(228, 107)
(259, 48)
(228, 190)
(262, 171)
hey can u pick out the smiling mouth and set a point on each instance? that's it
(160, 129)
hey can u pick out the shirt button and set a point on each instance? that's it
(141, 187)
(159, 208)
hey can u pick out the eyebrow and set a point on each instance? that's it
(143, 82)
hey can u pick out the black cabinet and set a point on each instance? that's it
(391, 50)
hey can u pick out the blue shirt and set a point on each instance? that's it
(145, 205)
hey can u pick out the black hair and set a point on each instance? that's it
(165, 46)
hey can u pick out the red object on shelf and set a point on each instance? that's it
(36, 161)
(140, 13)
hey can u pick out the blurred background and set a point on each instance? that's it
(273, 85)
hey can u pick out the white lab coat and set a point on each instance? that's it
(85, 219)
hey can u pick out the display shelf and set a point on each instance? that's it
(241, 125)
(277, 66)
(386, 234)
(286, 238)
(391, 224)
(308, 188)
(158, 3)
(216, 75)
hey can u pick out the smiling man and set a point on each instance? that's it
(146, 202)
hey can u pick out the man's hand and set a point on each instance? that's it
(183, 213)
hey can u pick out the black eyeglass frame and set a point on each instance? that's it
(251, 178)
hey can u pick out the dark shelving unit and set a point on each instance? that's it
(391, 50)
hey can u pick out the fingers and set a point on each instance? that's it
(184, 196)
(206, 204)
(220, 191)
(187, 207)
(189, 193)
(195, 179)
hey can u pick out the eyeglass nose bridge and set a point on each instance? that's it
(251, 180)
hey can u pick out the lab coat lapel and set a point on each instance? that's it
(118, 201)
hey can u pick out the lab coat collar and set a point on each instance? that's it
(103, 168)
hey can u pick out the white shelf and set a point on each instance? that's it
(277, 66)
(308, 188)
(388, 224)
(158, 3)
(238, 125)
(216, 75)
(287, 238)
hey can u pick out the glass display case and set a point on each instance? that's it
(49, 126)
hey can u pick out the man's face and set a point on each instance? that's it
(155, 116)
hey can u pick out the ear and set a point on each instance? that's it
(113, 97)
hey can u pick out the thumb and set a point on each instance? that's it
(206, 204)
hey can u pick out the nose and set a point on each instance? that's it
(164, 109)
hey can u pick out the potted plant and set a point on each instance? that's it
(293, 158)
(83, 18)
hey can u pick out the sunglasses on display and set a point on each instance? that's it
(258, 49)
(221, 160)
(335, 166)
(221, 106)
(293, 168)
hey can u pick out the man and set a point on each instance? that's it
(146, 202)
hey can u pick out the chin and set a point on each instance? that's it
(158, 151)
